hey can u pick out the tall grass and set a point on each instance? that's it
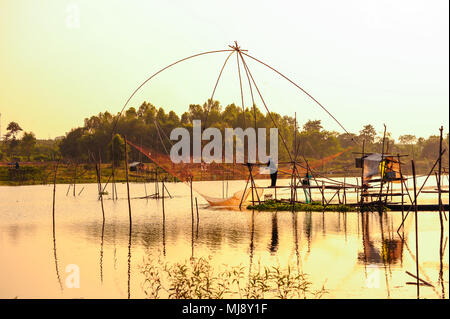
(196, 278)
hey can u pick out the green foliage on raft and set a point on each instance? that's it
(272, 205)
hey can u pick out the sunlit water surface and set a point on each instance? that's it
(352, 255)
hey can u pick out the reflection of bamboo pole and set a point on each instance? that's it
(126, 176)
(129, 263)
(441, 251)
(101, 251)
(54, 195)
(129, 216)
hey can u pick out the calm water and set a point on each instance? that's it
(354, 256)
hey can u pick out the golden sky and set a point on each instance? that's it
(366, 61)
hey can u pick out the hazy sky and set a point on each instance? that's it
(366, 61)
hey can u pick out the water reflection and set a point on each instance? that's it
(252, 243)
(101, 251)
(273, 247)
(312, 242)
(390, 250)
(295, 236)
(129, 261)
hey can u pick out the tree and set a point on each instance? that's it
(368, 134)
(407, 139)
(70, 145)
(430, 149)
(28, 143)
(312, 126)
(13, 128)
(11, 136)
(116, 149)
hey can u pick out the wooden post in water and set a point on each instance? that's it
(156, 183)
(380, 207)
(113, 184)
(198, 218)
(362, 173)
(323, 194)
(54, 195)
(192, 220)
(401, 182)
(75, 178)
(192, 203)
(164, 213)
(345, 194)
(416, 227)
(440, 172)
(128, 184)
(99, 183)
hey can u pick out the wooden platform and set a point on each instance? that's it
(421, 208)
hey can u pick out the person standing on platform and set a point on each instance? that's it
(273, 172)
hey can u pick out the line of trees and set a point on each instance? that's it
(138, 125)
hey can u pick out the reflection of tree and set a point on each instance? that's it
(308, 228)
(274, 239)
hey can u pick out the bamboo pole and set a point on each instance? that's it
(440, 173)
(345, 194)
(163, 223)
(113, 184)
(99, 181)
(401, 182)
(192, 217)
(75, 179)
(416, 227)
(53, 226)
(192, 220)
(362, 173)
(198, 218)
(164, 213)
(383, 171)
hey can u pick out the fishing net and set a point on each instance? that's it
(220, 171)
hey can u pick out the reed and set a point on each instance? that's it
(196, 278)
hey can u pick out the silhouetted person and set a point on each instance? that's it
(17, 165)
(273, 172)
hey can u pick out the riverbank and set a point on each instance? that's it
(41, 174)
